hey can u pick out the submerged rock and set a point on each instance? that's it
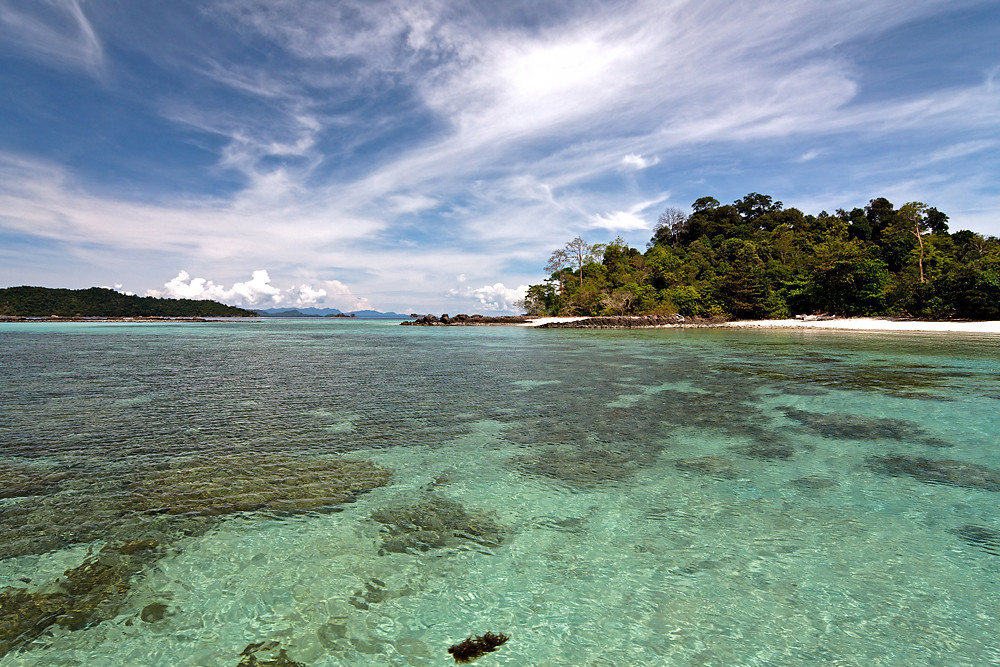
(436, 524)
(89, 594)
(931, 471)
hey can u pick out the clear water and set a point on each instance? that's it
(660, 497)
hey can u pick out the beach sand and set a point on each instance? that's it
(873, 324)
(846, 323)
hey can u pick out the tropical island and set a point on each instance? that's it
(99, 302)
(755, 260)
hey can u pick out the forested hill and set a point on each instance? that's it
(755, 259)
(101, 302)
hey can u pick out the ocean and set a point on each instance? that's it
(330, 492)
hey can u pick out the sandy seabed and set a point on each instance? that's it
(847, 323)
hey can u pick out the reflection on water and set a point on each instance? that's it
(351, 493)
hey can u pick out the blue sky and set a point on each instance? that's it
(426, 156)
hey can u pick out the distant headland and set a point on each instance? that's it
(102, 303)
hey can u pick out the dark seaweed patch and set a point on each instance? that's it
(474, 647)
(855, 427)
(987, 539)
(931, 471)
(815, 482)
(767, 451)
(712, 466)
(251, 658)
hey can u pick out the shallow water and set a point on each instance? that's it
(681, 497)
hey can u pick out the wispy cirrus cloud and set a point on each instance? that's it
(55, 31)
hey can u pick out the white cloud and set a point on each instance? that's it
(629, 220)
(256, 292)
(637, 162)
(405, 203)
(497, 297)
(54, 31)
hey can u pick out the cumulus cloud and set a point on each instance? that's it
(256, 292)
(637, 162)
(496, 297)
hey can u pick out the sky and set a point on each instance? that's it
(428, 156)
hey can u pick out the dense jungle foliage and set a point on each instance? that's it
(754, 259)
(101, 302)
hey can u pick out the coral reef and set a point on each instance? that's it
(185, 496)
(237, 483)
(952, 473)
(475, 647)
(855, 427)
(250, 658)
(88, 594)
(582, 466)
(436, 524)
(17, 481)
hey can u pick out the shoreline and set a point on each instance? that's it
(888, 325)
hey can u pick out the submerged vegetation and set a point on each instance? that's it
(474, 647)
(756, 259)
(185, 496)
(88, 594)
(436, 524)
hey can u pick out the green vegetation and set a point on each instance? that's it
(755, 259)
(101, 302)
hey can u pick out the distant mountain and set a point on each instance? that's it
(376, 314)
(103, 302)
(324, 312)
(297, 312)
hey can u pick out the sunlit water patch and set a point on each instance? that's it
(353, 493)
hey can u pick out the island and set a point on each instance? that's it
(19, 303)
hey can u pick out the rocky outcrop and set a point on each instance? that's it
(464, 320)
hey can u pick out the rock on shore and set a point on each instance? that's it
(464, 320)
(619, 322)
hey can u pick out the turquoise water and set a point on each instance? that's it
(656, 497)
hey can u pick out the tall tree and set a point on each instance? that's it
(582, 253)
(669, 227)
(914, 216)
(557, 262)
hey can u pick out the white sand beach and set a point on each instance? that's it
(873, 324)
(846, 323)
(545, 320)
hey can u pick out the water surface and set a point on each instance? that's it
(364, 493)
